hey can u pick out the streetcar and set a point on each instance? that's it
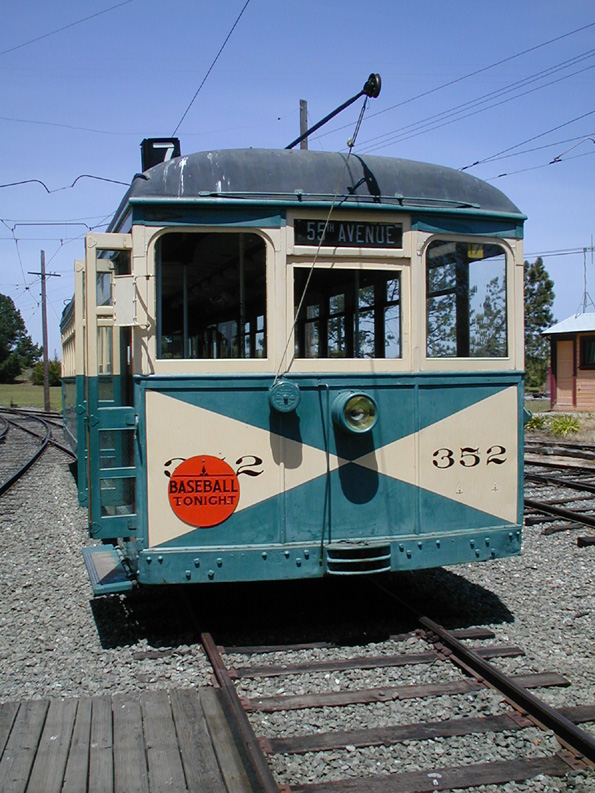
(284, 364)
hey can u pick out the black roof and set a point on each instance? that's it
(289, 176)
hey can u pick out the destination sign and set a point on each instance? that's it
(348, 234)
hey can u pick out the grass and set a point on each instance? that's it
(27, 395)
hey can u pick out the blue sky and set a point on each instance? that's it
(80, 100)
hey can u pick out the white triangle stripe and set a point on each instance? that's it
(177, 429)
(476, 479)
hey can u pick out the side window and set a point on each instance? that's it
(211, 296)
(465, 300)
(347, 313)
(587, 347)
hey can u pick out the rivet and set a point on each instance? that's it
(307, 554)
(264, 555)
(160, 559)
(211, 574)
(493, 553)
(149, 559)
(197, 562)
(287, 554)
(437, 543)
(188, 575)
(298, 562)
(219, 562)
(472, 543)
(420, 545)
(401, 547)
(477, 554)
(409, 554)
(487, 542)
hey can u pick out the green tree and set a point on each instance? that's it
(55, 372)
(539, 299)
(17, 350)
(488, 326)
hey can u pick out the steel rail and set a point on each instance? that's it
(571, 736)
(561, 512)
(24, 468)
(559, 481)
(55, 443)
(250, 743)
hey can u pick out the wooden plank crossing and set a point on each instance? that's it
(174, 741)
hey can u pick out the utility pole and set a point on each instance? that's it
(44, 330)
(303, 122)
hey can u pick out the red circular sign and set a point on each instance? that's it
(203, 491)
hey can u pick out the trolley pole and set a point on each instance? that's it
(44, 330)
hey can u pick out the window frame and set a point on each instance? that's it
(205, 362)
(584, 340)
(511, 275)
(400, 267)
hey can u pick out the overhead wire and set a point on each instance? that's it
(498, 155)
(13, 236)
(66, 187)
(537, 167)
(210, 69)
(65, 27)
(433, 123)
(545, 146)
(517, 84)
(68, 126)
(556, 252)
(468, 75)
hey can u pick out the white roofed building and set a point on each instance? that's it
(572, 380)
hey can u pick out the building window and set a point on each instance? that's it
(347, 313)
(465, 300)
(587, 352)
(211, 300)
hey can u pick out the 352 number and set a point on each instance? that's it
(469, 457)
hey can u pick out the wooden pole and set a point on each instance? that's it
(44, 330)
(303, 122)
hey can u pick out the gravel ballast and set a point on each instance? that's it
(55, 641)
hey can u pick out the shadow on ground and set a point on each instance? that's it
(352, 611)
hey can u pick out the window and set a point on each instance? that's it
(211, 296)
(587, 352)
(347, 313)
(466, 300)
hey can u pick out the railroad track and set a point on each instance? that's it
(24, 436)
(270, 728)
(560, 487)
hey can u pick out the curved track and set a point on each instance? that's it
(24, 436)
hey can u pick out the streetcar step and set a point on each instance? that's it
(106, 571)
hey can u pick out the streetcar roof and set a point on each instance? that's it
(295, 177)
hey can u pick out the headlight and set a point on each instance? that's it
(354, 411)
